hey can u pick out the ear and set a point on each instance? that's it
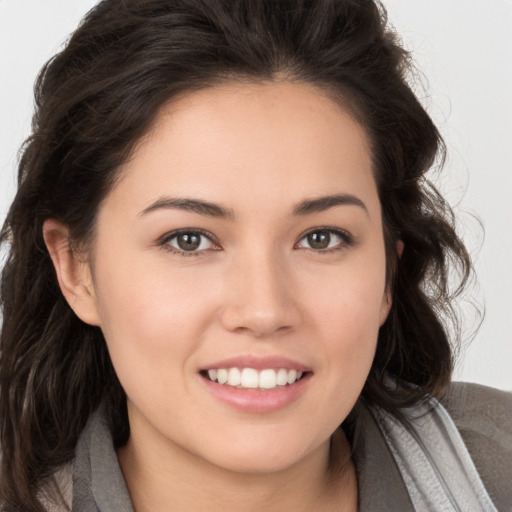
(399, 247)
(385, 307)
(387, 300)
(73, 272)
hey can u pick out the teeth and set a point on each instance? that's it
(234, 378)
(282, 377)
(268, 379)
(292, 376)
(222, 376)
(249, 378)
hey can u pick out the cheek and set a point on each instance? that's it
(151, 318)
(345, 330)
(351, 325)
(346, 313)
(349, 302)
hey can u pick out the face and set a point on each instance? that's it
(243, 243)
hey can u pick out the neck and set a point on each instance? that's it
(323, 480)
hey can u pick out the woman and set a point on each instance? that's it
(226, 273)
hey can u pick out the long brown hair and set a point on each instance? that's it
(98, 97)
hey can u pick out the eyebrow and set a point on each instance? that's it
(190, 205)
(201, 207)
(323, 203)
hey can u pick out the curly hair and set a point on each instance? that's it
(94, 102)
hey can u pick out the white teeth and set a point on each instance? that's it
(292, 376)
(282, 377)
(222, 376)
(234, 378)
(253, 379)
(249, 378)
(268, 379)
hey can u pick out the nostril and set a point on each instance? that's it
(259, 324)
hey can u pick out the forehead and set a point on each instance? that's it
(269, 141)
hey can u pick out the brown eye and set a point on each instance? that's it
(319, 239)
(190, 241)
(324, 239)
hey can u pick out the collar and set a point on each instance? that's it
(99, 485)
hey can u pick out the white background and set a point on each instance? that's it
(464, 49)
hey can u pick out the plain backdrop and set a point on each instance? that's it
(463, 49)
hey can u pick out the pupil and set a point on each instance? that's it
(189, 241)
(319, 239)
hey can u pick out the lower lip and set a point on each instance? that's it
(256, 401)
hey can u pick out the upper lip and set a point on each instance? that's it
(258, 363)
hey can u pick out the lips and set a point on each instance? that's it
(255, 384)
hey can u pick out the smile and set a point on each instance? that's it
(250, 378)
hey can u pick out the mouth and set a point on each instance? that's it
(250, 378)
(255, 384)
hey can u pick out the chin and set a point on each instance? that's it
(262, 458)
(258, 464)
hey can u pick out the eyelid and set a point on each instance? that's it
(163, 241)
(346, 237)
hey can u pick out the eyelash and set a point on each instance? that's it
(164, 242)
(347, 239)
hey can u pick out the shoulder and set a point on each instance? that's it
(480, 409)
(483, 416)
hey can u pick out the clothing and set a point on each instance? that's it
(483, 422)
(480, 448)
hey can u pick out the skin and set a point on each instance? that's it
(258, 288)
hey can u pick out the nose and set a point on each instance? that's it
(260, 301)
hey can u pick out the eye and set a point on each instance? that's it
(189, 241)
(324, 239)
